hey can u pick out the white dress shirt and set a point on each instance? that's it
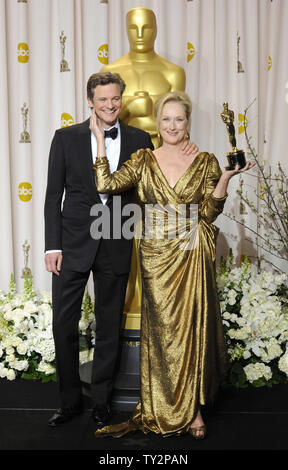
(112, 152)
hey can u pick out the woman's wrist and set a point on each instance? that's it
(101, 150)
(225, 178)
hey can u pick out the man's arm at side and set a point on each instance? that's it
(53, 261)
(52, 209)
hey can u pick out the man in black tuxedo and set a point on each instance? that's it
(71, 252)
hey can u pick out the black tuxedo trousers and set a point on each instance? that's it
(67, 227)
(68, 289)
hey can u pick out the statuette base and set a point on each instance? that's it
(236, 157)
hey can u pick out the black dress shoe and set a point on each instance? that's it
(101, 414)
(63, 415)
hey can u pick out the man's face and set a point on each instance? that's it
(107, 103)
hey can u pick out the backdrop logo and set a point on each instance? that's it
(269, 62)
(190, 51)
(102, 54)
(66, 120)
(23, 52)
(242, 124)
(25, 191)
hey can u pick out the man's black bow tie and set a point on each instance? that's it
(111, 133)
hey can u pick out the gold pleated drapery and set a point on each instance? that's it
(183, 354)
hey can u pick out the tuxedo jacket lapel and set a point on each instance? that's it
(126, 144)
(87, 160)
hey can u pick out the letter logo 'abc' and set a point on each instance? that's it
(190, 51)
(25, 191)
(242, 123)
(66, 120)
(102, 54)
(23, 52)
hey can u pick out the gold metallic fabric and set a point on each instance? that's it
(183, 354)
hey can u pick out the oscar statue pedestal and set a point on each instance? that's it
(236, 157)
(127, 384)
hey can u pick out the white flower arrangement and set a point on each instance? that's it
(255, 316)
(26, 339)
(254, 312)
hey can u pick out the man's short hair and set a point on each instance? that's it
(103, 78)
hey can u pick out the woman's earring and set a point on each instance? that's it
(187, 136)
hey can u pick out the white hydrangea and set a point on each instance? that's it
(21, 365)
(240, 334)
(6, 373)
(246, 354)
(231, 297)
(257, 371)
(271, 350)
(283, 363)
(11, 375)
(7, 312)
(22, 348)
(30, 307)
(46, 368)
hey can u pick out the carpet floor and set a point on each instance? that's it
(246, 419)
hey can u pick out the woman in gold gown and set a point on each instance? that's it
(183, 354)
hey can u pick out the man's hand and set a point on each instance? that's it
(189, 148)
(53, 262)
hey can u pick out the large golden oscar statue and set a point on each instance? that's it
(147, 76)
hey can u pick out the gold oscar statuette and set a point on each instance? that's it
(64, 67)
(239, 64)
(26, 272)
(24, 136)
(236, 157)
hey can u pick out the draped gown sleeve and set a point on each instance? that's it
(122, 180)
(210, 207)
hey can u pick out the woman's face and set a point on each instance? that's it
(173, 123)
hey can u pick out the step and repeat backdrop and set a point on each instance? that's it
(231, 50)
